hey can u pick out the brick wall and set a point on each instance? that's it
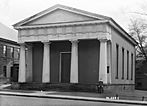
(7, 56)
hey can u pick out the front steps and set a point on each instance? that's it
(55, 86)
(80, 87)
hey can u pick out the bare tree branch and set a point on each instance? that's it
(139, 13)
(138, 29)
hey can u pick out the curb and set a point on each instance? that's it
(79, 98)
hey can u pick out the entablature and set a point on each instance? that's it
(59, 37)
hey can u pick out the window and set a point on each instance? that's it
(12, 52)
(132, 66)
(16, 53)
(4, 71)
(122, 63)
(117, 62)
(4, 50)
(8, 51)
(108, 69)
(127, 65)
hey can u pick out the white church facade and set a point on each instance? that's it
(68, 45)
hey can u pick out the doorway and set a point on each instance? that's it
(65, 63)
(14, 73)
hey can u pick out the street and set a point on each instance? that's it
(6, 100)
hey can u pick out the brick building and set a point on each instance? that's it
(9, 60)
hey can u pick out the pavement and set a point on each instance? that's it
(127, 97)
(2, 86)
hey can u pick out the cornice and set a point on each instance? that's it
(61, 24)
(123, 32)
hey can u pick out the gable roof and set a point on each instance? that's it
(100, 18)
(62, 7)
(7, 33)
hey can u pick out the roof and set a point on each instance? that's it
(78, 11)
(9, 41)
(7, 33)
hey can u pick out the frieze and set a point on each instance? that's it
(63, 30)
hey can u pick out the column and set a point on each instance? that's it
(46, 63)
(29, 63)
(103, 61)
(74, 62)
(22, 64)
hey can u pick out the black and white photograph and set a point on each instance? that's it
(73, 52)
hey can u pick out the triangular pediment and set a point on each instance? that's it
(60, 14)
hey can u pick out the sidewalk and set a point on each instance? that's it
(92, 97)
(131, 97)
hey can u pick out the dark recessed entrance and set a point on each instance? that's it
(65, 61)
(14, 73)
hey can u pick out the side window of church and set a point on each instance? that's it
(117, 60)
(132, 60)
(123, 63)
(127, 65)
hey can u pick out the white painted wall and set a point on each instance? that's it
(122, 42)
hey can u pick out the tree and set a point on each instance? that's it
(138, 30)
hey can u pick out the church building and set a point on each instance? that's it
(68, 45)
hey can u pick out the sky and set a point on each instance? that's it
(13, 11)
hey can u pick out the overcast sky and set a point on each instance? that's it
(12, 11)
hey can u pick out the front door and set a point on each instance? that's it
(65, 60)
(14, 73)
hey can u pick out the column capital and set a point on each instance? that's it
(74, 40)
(22, 44)
(46, 42)
(29, 45)
(103, 40)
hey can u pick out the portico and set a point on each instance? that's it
(74, 73)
